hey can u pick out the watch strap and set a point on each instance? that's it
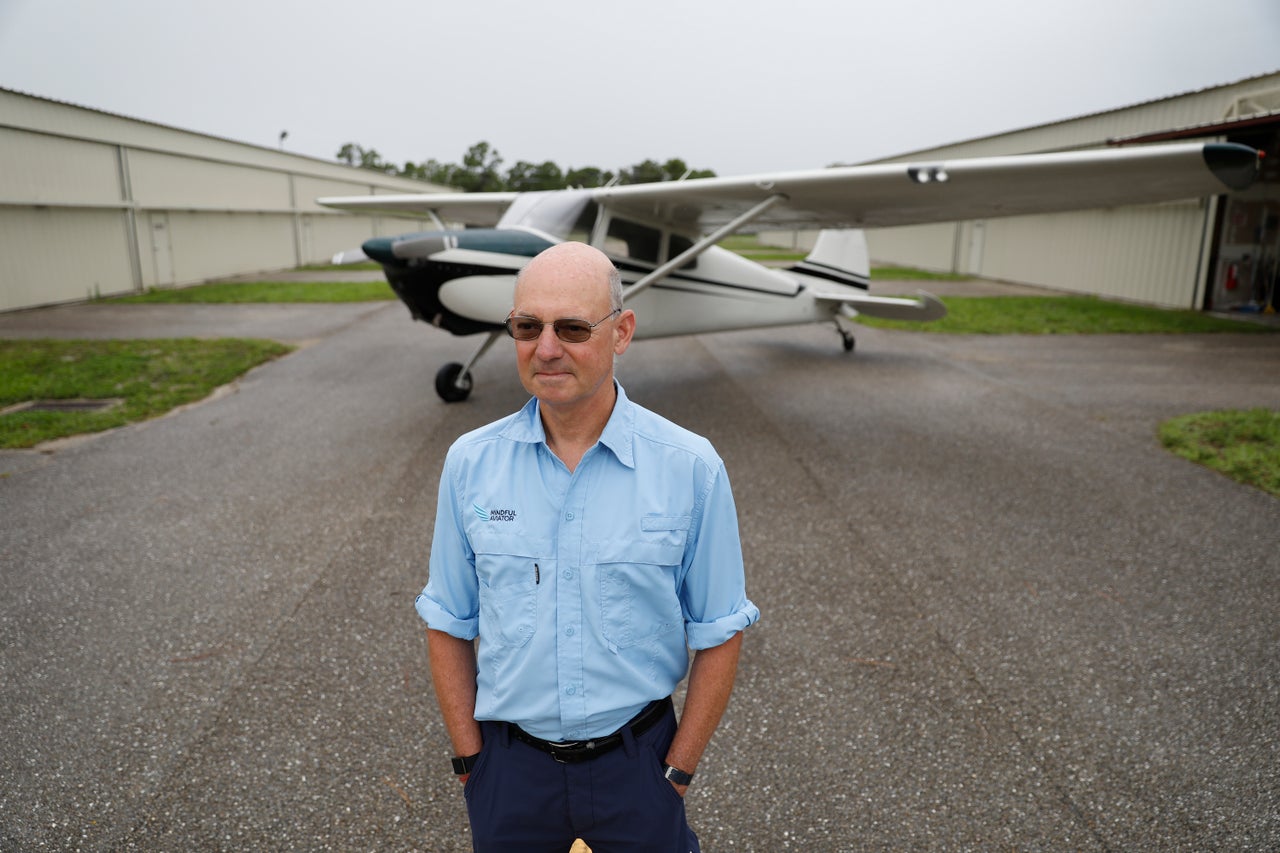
(462, 764)
(676, 775)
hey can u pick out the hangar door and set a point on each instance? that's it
(161, 248)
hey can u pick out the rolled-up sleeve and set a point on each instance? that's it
(451, 600)
(714, 595)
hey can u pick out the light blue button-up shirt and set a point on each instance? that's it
(585, 589)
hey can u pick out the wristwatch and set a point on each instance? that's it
(673, 774)
(462, 764)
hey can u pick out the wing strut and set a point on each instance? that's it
(701, 246)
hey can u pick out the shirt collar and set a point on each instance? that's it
(618, 434)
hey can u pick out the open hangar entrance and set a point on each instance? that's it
(1246, 262)
(1244, 257)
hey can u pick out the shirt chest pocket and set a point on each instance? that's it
(639, 599)
(509, 568)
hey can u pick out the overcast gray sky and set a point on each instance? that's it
(737, 86)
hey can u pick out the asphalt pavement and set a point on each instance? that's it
(996, 613)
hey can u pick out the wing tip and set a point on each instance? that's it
(1235, 165)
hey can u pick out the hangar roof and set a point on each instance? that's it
(1262, 121)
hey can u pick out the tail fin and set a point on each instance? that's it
(839, 256)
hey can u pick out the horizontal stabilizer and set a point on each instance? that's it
(923, 308)
(350, 256)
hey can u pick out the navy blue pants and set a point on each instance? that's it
(519, 798)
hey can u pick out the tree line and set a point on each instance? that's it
(480, 171)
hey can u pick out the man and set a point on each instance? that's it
(588, 543)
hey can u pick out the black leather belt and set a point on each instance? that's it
(574, 751)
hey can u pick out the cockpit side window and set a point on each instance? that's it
(678, 245)
(639, 242)
(581, 230)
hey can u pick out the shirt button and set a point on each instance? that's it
(569, 516)
(568, 574)
(568, 632)
(570, 690)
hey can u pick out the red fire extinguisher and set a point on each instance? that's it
(1233, 277)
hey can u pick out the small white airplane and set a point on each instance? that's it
(663, 236)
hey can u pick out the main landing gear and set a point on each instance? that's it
(846, 335)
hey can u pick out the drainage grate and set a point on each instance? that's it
(63, 406)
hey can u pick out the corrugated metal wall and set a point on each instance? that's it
(1148, 254)
(58, 254)
(97, 204)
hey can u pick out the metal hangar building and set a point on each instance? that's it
(1218, 253)
(96, 204)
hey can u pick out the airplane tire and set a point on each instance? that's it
(447, 385)
(848, 341)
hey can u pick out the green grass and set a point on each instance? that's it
(151, 377)
(742, 243)
(1063, 315)
(363, 265)
(267, 291)
(760, 255)
(912, 274)
(750, 247)
(1244, 445)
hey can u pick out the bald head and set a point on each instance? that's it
(572, 281)
(585, 265)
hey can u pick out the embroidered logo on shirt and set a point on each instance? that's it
(493, 514)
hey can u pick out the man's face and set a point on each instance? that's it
(570, 284)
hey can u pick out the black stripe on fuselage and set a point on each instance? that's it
(418, 285)
(829, 273)
(669, 282)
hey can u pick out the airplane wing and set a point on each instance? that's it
(941, 190)
(482, 210)
(884, 195)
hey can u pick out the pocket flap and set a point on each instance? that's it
(511, 544)
(650, 552)
(665, 522)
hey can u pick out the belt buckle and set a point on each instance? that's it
(569, 748)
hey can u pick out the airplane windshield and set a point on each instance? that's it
(557, 213)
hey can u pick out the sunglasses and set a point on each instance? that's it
(568, 330)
